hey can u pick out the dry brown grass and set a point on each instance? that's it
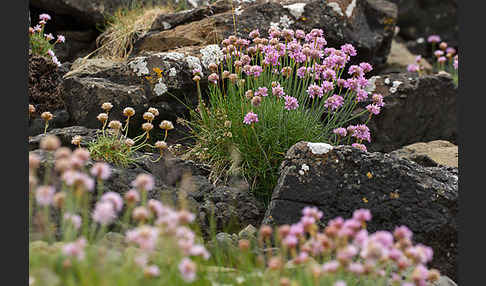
(125, 27)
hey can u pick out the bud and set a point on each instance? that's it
(213, 67)
(129, 142)
(255, 101)
(249, 94)
(154, 111)
(102, 117)
(76, 140)
(140, 214)
(443, 46)
(128, 112)
(46, 115)
(31, 108)
(243, 244)
(161, 145)
(59, 199)
(149, 116)
(166, 125)
(106, 106)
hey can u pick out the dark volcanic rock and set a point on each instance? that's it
(418, 109)
(368, 25)
(45, 80)
(421, 18)
(396, 191)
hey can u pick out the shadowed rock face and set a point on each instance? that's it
(419, 109)
(396, 191)
(368, 25)
(421, 18)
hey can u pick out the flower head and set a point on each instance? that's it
(187, 269)
(113, 198)
(44, 195)
(44, 17)
(101, 170)
(250, 118)
(340, 131)
(104, 213)
(166, 125)
(291, 103)
(129, 112)
(107, 106)
(334, 102)
(144, 182)
(433, 39)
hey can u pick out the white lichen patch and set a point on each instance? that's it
(173, 56)
(193, 63)
(211, 54)
(238, 11)
(387, 81)
(349, 10)
(160, 88)
(172, 72)
(372, 84)
(166, 25)
(420, 40)
(283, 23)
(296, 9)
(139, 66)
(335, 6)
(305, 167)
(319, 148)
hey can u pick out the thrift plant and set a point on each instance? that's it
(113, 144)
(151, 243)
(446, 57)
(267, 94)
(41, 44)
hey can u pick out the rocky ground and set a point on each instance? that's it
(410, 175)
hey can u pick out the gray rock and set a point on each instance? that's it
(396, 191)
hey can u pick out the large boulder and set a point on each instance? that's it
(417, 109)
(397, 191)
(367, 24)
(65, 135)
(93, 82)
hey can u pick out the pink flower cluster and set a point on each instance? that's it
(352, 249)
(39, 29)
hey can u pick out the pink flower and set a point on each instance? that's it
(356, 268)
(340, 283)
(213, 78)
(144, 182)
(348, 49)
(151, 271)
(361, 132)
(37, 28)
(44, 195)
(61, 39)
(402, 232)
(199, 250)
(277, 90)
(101, 170)
(254, 34)
(334, 102)
(156, 207)
(132, 196)
(366, 67)
(433, 39)
(330, 267)
(51, 53)
(291, 103)
(104, 213)
(327, 86)
(442, 60)
(438, 53)
(312, 212)
(44, 17)
(144, 236)
(113, 198)
(261, 91)
(74, 219)
(49, 36)
(456, 62)
(187, 269)
(340, 132)
(413, 68)
(250, 118)
(362, 215)
(75, 249)
(378, 100)
(301, 71)
(373, 109)
(314, 90)
(290, 241)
